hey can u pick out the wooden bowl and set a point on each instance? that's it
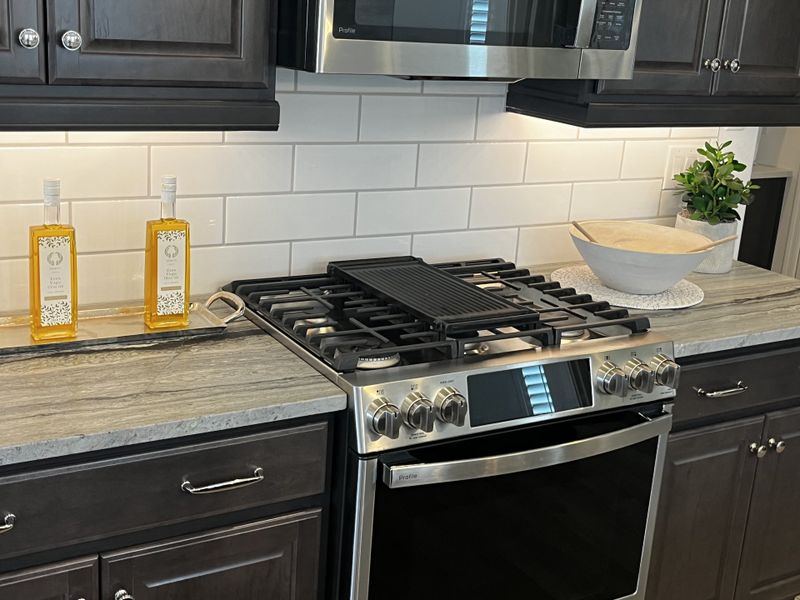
(639, 258)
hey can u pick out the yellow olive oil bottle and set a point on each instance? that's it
(53, 272)
(166, 278)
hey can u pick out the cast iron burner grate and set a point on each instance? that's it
(384, 312)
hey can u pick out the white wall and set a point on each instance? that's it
(362, 166)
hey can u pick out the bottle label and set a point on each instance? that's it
(171, 292)
(55, 281)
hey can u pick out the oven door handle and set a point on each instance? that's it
(403, 476)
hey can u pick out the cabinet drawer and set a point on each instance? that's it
(769, 378)
(65, 506)
(276, 559)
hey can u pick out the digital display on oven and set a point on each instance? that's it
(529, 391)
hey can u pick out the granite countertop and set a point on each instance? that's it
(77, 402)
(746, 307)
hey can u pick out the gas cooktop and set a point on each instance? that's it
(380, 313)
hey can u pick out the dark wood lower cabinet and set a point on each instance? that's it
(71, 580)
(770, 568)
(703, 511)
(269, 560)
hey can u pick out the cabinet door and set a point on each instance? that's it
(19, 64)
(703, 511)
(276, 559)
(675, 39)
(763, 37)
(771, 560)
(70, 580)
(220, 43)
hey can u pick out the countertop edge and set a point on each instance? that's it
(63, 447)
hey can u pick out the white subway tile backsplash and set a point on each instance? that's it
(470, 164)
(616, 200)
(466, 245)
(469, 88)
(93, 230)
(551, 162)
(309, 118)
(361, 166)
(381, 213)
(624, 133)
(512, 206)
(144, 137)
(545, 245)
(32, 137)
(228, 169)
(401, 119)
(13, 286)
(15, 220)
(671, 203)
(356, 167)
(645, 159)
(290, 217)
(129, 219)
(217, 266)
(494, 123)
(356, 84)
(109, 278)
(313, 257)
(695, 132)
(86, 172)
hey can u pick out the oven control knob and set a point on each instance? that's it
(667, 371)
(384, 418)
(640, 376)
(451, 406)
(417, 412)
(612, 380)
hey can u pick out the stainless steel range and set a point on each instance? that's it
(507, 435)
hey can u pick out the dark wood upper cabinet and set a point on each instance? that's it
(63, 581)
(19, 64)
(703, 512)
(270, 560)
(770, 568)
(763, 37)
(214, 43)
(675, 39)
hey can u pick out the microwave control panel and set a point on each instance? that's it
(613, 24)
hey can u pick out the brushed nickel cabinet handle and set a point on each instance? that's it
(123, 595)
(72, 41)
(713, 64)
(8, 523)
(740, 388)
(29, 38)
(758, 450)
(734, 66)
(778, 445)
(224, 486)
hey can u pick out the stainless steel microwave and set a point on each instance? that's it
(482, 39)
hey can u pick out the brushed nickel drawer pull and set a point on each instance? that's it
(740, 388)
(8, 523)
(123, 595)
(224, 486)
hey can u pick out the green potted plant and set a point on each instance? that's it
(712, 191)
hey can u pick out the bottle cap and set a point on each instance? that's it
(52, 191)
(169, 183)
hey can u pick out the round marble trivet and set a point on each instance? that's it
(682, 295)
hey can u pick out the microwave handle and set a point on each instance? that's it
(403, 476)
(586, 20)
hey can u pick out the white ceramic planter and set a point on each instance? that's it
(720, 259)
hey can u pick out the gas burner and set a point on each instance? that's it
(575, 334)
(476, 349)
(310, 327)
(374, 363)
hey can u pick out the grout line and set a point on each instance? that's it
(358, 125)
(224, 220)
(525, 164)
(477, 117)
(355, 214)
(469, 207)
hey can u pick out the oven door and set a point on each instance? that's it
(558, 512)
(503, 39)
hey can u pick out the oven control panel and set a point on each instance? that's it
(504, 393)
(613, 24)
